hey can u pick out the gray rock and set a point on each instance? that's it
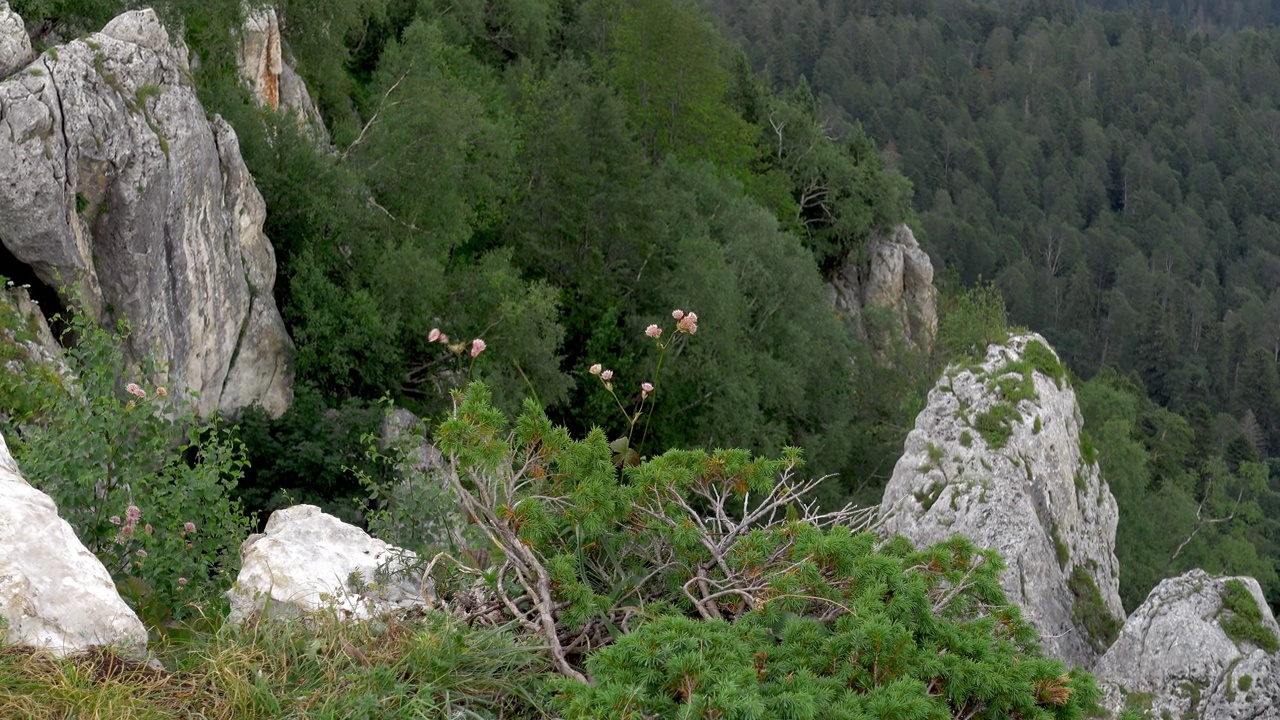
(1022, 488)
(307, 561)
(110, 173)
(15, 44)
(895, 275)
(422, 508)
(269, 74)
(54, 593)
(1174, 659)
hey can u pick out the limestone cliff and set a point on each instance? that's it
(1193, 650)
(264, 67)
(894, 276)
(111, 174)
(997, 456)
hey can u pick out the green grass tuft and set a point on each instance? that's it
(1242, 619)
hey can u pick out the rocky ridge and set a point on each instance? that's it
(996, 456)
(15, 46)
(111, 175)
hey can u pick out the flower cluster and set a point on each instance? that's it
(477, 345)
(132, 515)
(685, 322)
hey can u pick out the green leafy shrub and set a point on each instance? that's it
(144, 483)
(716, 589)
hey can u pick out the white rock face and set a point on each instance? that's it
(1034, 498)
(274, 82)
(898, 275)
(54, 593)
(110, 173)
(1174, 659)
(15, 45)
(307, 561)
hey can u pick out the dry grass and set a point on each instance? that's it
(428, 667)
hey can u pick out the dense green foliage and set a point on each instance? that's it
(552, 180)
(146, 487)
(1114, 175)
(717, 592)
(1214, 513)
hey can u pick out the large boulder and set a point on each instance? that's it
(15, 44)
(996, 455)
(307, 561)
(54, 593)
(1192, 650)
(896, 277)
(112, 175)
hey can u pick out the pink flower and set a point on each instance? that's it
(148, 528)
(677, 314)
(434, 335)
(127, 530)
(133, 389)
(142, 553)
(132, 514)
(477, 347)
(444, 339)
(182, 581)
(161, 391)
(596, 369)
(607, 375)
(189, 526)
(645, 389)
(114, 519)
(653, 331)
(688, 324)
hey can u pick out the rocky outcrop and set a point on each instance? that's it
(54, 593)
(274, 82)
(895, 276)
(996, 455)
(306, 561)
(111, 175)
(15, 44)
(1191, 650)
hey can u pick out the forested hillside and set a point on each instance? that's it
(551, 178)
(554, 178)
(1114, 174)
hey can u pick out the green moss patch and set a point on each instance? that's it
(996, 424)
(1100, 626)
(1242, 619)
